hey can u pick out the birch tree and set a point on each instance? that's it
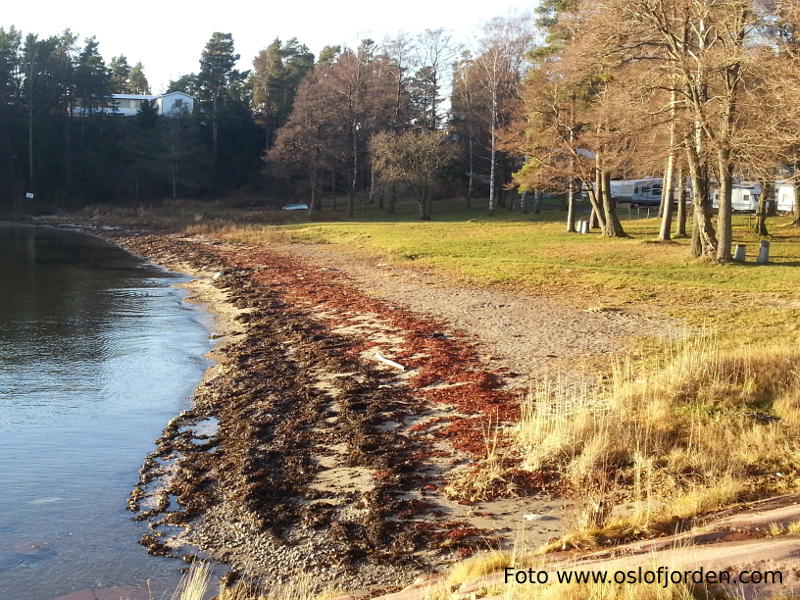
(501, 58)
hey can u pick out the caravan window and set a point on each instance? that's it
(646, 189)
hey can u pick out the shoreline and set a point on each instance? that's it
(349, 493)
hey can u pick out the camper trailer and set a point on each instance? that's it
(744, 197)
(784, 196)
(645, 192)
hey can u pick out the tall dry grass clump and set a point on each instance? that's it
(701, 430)
(195, 586)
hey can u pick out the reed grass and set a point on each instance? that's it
(700, 431)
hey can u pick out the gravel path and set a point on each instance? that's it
(534, 336)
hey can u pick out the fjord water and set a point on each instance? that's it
(97, 353)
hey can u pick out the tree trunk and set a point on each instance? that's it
(428, 202)
(493, 159)
(523, 202)
(371, 198)
(760, 226)
(571, 206)
(471, 184)
(613, 228)
(796, 211)
(772, 200)
(537, 202)
(333, 191)
(68, 150)
(424, 202)
(697, 246)
(214, 133)
(392, 199)
(666, 201)
(667, 184)
(706, 243)
(351, 192)
(597, 220)
(594, 220)
(31, 186)
(725, 215)
(312, 205)
(681, 201)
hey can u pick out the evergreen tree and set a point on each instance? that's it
(137, 82)
(185, 83)
(329, 54)
(119, 75)
(277, 72)
(214, 80)
(92, 78)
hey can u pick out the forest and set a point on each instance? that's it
(560, 101)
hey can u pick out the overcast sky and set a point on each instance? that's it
(168, 36)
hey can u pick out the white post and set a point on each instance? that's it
(763, 253)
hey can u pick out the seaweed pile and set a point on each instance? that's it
(299, 454)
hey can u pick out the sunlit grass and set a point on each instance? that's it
(705, 429)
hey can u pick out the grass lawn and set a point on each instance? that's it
(533, 253)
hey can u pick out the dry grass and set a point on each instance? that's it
(700, 431)
(605, 592)
(486, 478)
(478, 566)
(473, 569)
(776, 529)
(195, 586)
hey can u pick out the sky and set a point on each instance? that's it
(168, 36)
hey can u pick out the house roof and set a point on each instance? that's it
(133, 97)
(177, 92)
(148, 96)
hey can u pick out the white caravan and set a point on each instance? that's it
(646, 192)
(784, 196)
(744, 197)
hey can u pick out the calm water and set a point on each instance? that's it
(97, 353)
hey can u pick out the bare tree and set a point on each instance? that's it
(502, 48)
(435, 51)
(412, 158)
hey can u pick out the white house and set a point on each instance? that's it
(168, 105)
(174, 103)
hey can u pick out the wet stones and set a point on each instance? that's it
(154, 546)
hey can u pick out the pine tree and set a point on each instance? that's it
(214, 79)
(120, 74)
(137, 82)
